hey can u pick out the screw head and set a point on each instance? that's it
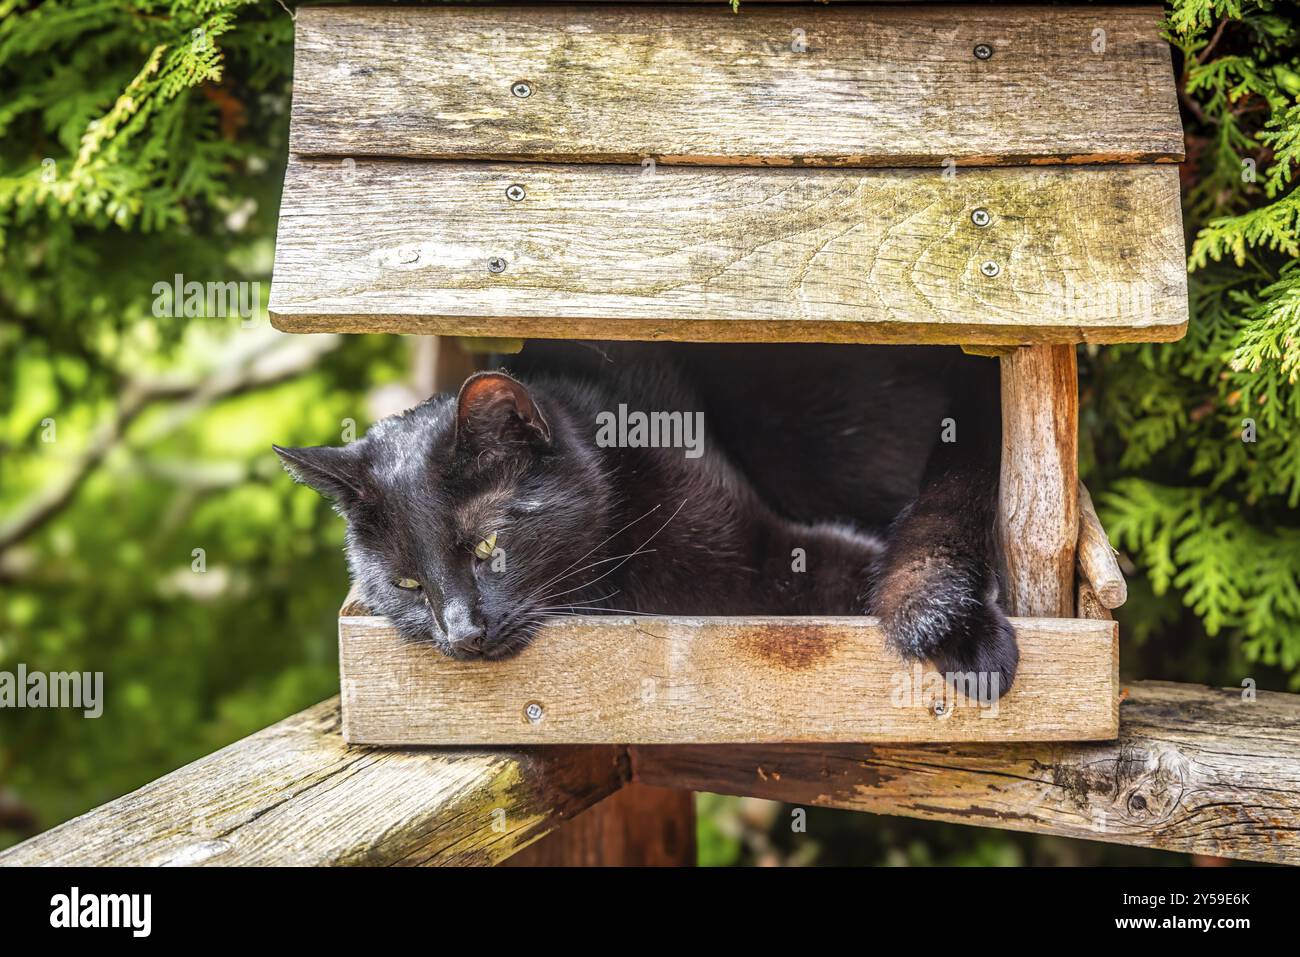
(533, 712)
(990, 268)
(515, 193)
(941, 709)
(983, 51)
(496, 264)
(980, 217)
(521, 89)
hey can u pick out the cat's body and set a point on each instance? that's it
(820, 486)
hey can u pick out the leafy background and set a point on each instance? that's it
(140, 139)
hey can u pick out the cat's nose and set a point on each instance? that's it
(464, 631)
(467, 636)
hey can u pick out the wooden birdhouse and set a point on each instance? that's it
(998, 178)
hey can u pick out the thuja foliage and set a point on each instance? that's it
(134, 135)
(1197, 443)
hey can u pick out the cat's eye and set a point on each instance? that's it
(483, 550)
(407, 584)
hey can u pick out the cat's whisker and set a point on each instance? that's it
(594, 548)
(576, 604)
(630, 556)
(612, 558)
(525, 615)
(626, 558)
(590, 612)
(603, 561)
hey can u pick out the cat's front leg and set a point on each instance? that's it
(937, 591)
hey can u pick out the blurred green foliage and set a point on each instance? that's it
(1195, 445)
(140, 139)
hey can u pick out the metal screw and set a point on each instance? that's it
(515, 193)
(533, 712)
(496, 264)
(990, 268)
(980, 217)
(521, 89)
(983, 51)
(940, 709)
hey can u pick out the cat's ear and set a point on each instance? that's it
(494, 409)
(333, 471)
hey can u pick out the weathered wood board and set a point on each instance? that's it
(295, 794)
(692, 680)
(837, 255)
(777, 85)
(1194, 769)
(1199, 770)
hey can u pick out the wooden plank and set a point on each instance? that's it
(871, 86)
(638, 826)
(1038, 497)
(1084, 254)
(678, 680)
(295, 794)
(1194, 769)
(1097, 557)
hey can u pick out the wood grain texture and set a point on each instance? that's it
(638, 826)
(1088, 605)
(1038, 497)
(295, 794)
(1194, 769)
(1082, 254)
(874, 86)
(685, 680)
(1096, 556)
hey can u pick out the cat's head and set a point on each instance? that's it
(466, 514)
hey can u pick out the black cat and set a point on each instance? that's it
(823, 483)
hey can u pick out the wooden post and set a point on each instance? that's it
(638, 826)
(439, 364)
(1038, 508)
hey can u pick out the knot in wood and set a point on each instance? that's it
(1137, 786)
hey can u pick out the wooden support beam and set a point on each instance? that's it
(1195, 769)
(1038, 508)
(295, 794)
(1096, 557)
(639, 826)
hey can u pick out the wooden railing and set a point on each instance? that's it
(1194, 769)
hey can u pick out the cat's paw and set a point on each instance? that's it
(951, 620)
(984, 646)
